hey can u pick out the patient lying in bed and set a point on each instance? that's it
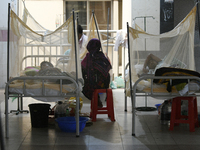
(47, 69)
(51, 87)
(150, 63)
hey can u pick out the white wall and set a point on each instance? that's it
(3, 38)
(148, 9)
(146, 14)
(132, 11)
(126, 9)
(4, 11)
(46, 12)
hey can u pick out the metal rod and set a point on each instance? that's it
(76, 61)
(97, 29)
(77, 18)
(107, 30)
(198, 16)
(77, 24)
(125, 97)
(6, 112)
(6, 89)
(8, 42)
(1, 134)
(133, 103)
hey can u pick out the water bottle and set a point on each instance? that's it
(59, 110)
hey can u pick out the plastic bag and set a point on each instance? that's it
(113, 85)
(120, 82)
(72, 105)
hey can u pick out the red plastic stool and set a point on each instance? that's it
(108, 109)
(191, 118)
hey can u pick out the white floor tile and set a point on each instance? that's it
(150, 134)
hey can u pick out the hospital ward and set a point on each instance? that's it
(94, 75)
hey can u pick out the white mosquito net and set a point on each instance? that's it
(175, 48)
(28, 40)
(93, 33)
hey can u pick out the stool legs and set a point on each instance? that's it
(191, 116)
(108, 109)
(94, 106)
(196, 113)
(173, 116)
(177, 118)
(110, 105)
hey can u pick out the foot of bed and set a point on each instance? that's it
(145, 108)
(19, 106)
(19, 111)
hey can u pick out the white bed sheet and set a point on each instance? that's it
(51, 90)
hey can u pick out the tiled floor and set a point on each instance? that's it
(103, 134)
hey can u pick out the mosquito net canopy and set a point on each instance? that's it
(28, 40)
(175, 48)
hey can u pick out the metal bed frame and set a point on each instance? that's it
(135, 93)
(35, 62)
(43, 78)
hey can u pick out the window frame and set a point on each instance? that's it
(87, 11)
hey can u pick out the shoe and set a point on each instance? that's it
(89, 123)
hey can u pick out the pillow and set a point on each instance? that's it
(31, 71)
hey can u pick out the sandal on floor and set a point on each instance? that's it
(89, 123)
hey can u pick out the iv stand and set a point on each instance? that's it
(145, 108)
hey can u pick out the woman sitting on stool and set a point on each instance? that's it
(95, 70)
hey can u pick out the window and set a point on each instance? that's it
(80, 8)
(84, 9)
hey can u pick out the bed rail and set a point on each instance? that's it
(135, 93)
(76, 93)
(37, 59)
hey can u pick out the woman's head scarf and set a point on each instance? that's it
(96, 58)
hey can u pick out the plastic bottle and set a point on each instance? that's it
(59, 110)
(67, 112)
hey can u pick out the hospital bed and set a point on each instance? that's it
(62, 80)
(170, 47)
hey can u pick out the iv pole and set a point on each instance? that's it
(145, 23)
